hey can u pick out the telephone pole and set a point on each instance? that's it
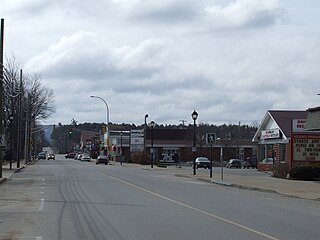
(1, 92)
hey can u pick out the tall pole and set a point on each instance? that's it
(152, 150)
(19, 123)
(1, 91)
(145, 132)
(194, 116)
(194, 146)
(107, 117)
(121, 147)
(107, 108)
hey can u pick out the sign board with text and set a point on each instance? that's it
(306, 147)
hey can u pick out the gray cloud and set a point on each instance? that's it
(229, 60)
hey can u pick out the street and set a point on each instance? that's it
(69, 199)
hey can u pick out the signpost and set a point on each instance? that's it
(210, 139)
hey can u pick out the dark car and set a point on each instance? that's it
(42, 155)
(51, 156)
(70, 155)
(234, 163)
(102, 159)
(202, 162)
(250, 163)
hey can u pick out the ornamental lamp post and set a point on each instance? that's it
(194, 116)
(152, 124)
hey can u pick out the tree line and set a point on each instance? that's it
(64, 137)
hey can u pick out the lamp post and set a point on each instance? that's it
(121, 147)
(194, 116)
(152, 124)
(107, 115)
(11, 140)
(107, 107)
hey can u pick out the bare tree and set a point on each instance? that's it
(41, 98)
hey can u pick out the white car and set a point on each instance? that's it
(85, 158)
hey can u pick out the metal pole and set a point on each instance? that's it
(11, 141)
(194, 146)
(19, 123)
(152, 154)
(221, 158)
(1, 91)
(210, 160)
(145, 132)
(121, 148)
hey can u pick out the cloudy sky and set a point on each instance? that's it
(231, 60)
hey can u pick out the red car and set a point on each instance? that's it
(102, 159)
(70, 155)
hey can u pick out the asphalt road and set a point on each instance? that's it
(69, 199)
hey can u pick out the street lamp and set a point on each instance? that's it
(194, 116)
(152, 124)
(107, 107)
(107, 115)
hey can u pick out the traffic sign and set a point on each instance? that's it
(210, 138)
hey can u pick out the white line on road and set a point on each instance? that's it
(41, 207)
(195, 209)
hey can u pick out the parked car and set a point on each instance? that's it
(42, 155)
(202, 162)
(51, 156)
(85, 158)
(267, 161)
(102, 159)
(234, 163)
(70, 155)
(250, 163)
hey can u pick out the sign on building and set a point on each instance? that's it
(306, 147)
(270, 134)
(137, 141)
(298, 125)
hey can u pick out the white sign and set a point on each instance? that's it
(137, 140)
(210, 138)
(270, 133)
(298, 125)
(306, 147)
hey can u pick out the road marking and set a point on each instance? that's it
(31, 237)
(195, 209)
(41, 207)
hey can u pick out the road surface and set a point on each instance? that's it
(69, 199)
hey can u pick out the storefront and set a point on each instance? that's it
(274, 137)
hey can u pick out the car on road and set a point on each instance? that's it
(202, 162)
(85, 158)
(42, 155)
(70, 155)
(234, 163)
(250, 163)
(102, 159)
(51, 156)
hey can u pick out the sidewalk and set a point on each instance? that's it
(259, 181)
(7, 173)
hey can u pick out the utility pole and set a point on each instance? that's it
(1, 91)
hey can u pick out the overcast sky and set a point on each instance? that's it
(230, 60)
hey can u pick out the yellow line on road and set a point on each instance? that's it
(195, 209)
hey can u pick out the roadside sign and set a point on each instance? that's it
(210, 138)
